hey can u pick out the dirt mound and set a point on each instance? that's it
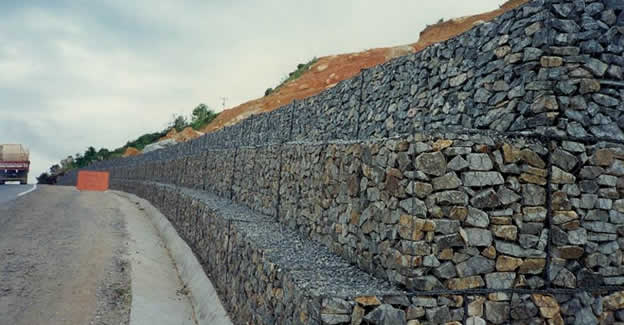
(130, 151)
(170, 135)
(329, 70)
(182, 136)
(188, 134)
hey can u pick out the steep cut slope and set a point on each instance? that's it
(329, 70)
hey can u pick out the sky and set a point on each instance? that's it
(82, 73)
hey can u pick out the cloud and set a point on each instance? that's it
(75, 74)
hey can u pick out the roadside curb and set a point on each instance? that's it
(208, 307)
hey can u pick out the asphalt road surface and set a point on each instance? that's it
(62, 257)
(9, 192)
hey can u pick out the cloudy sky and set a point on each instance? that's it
(75, 73)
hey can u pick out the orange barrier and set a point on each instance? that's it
(92, 181)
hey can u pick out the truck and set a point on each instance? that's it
(14, 163)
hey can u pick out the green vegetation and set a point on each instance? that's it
(46, 178)
(200, 117)
(301, 68)
(144, 140)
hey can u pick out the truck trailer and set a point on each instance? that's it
(14, 163)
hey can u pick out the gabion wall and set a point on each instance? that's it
(482, 179)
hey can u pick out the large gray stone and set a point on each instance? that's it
(334, 319)
(500, 280)
(449, 181)
(438, 315)
(335, 306)
(431, 163)
(386, 315)
(482, 95)
(485, 199)
(474, 266)
(497, 312)
(533, 195)
(605, 100)
(477, 237)
(480, 179)
(478, 218)
(479, 161)
(585, 316)
(564, 160)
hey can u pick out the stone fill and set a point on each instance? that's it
(481, 178)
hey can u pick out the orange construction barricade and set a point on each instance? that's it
(92, 181)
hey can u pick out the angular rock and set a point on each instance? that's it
(517, 251)
(532, 266)
(561, 177)
(551, 61)
(474, 266)
(496, 312)
(438, 315)
(507, 232)
(605, 100)
(483, 95)
(565, 279)
(335, 306)
(457, 164)
(431, 163)
(479, 162)
(570, 252)
(480, 179)
(368, 301)
(477, 237)
(386, 315)
(478, 218)
(533, 195)
(548, 306)
(485, 199)
(597, 67)
(449, 181)
(333, 319)
(507, 263)
(500, 280)
(589, 86)
(564, 160)
(465, 283)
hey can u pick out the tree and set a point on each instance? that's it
(178, 122)
(201, 116)
(90, 155)
(45, 178)
(55, 169)
(103, 154)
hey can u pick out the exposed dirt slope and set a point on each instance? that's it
(182, 136)
(329, 70)
(131, 151)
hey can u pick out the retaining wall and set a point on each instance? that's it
(482, 179)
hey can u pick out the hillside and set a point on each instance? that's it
(329, 70)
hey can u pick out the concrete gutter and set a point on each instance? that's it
(203, 296)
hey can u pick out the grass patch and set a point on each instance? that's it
(301, 69)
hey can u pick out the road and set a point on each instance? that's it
(71, 258)
(9, 192)
(62, 258)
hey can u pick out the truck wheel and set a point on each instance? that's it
(23, 182)
(1, 182)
